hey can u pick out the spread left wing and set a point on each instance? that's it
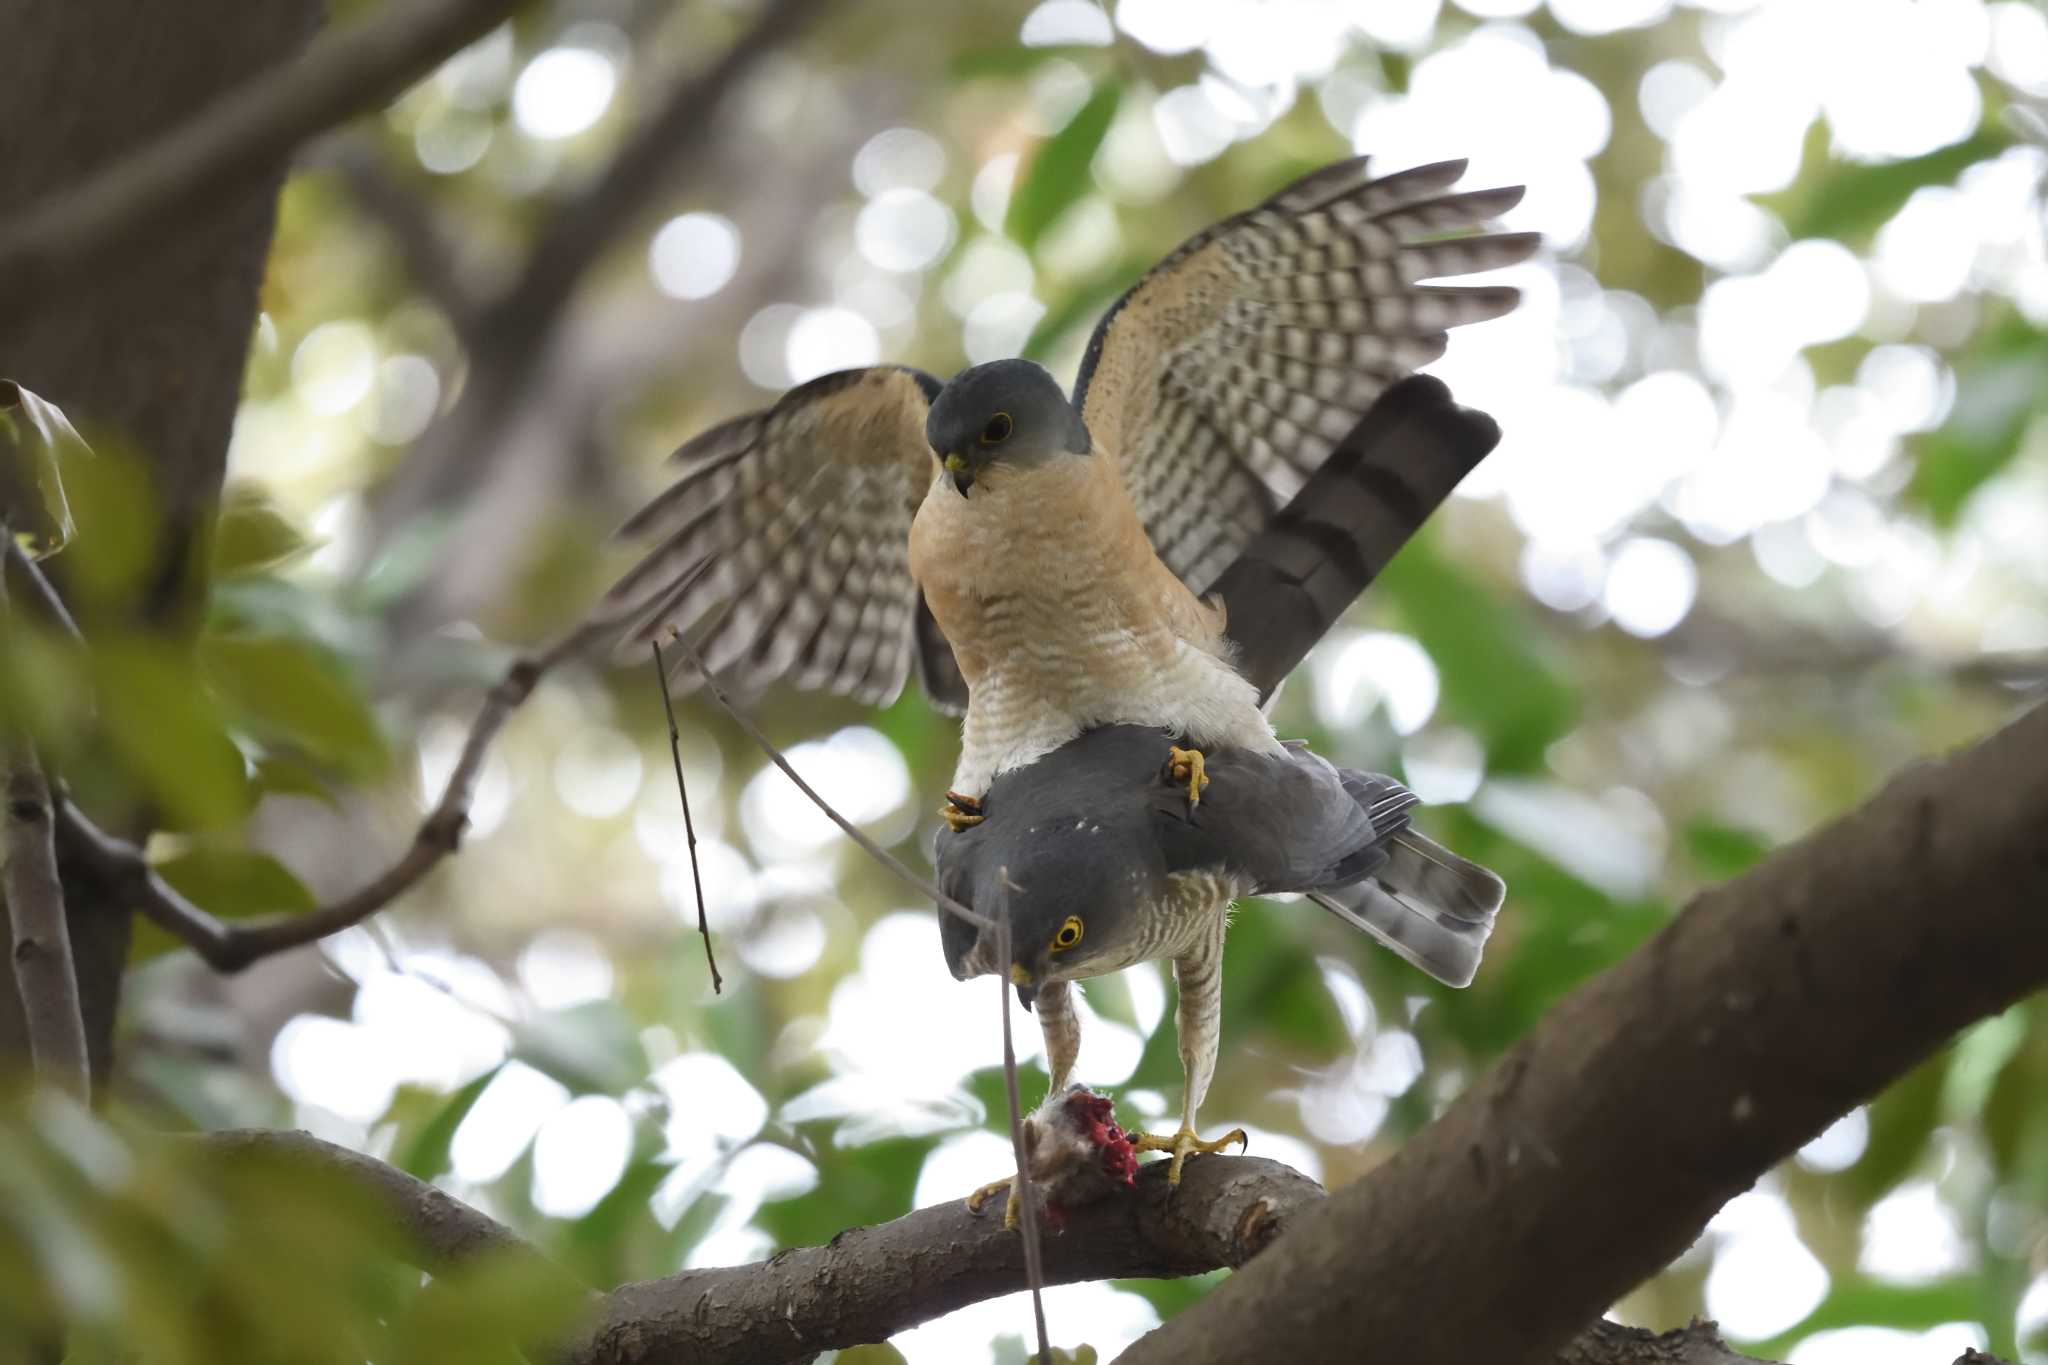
(1226, 375)
(783, 549)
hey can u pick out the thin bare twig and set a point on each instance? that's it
(675, 752)
(1027, 1195)
(43, 970)
(233, 141)
(231, 947)
(869, 846)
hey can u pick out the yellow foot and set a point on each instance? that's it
(962, 812)
(1182, 1144)
(1185, 765)
(1013, 1210)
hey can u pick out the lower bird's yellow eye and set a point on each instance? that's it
(997, 430)
(1069, 934)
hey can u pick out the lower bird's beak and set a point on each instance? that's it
(1027, 990)
(963, 475)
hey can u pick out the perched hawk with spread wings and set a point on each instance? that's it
(1096, 865)
(1044, 562)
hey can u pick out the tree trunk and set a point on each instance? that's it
(150, 357)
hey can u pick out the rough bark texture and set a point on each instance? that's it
(871, 1282)
(149, 355)
(1600, 1146)
(1610, 1343)
(67, 241)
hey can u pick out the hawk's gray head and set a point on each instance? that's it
(1007, 412)
(1079, 921)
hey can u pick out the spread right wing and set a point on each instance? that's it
(803, 514)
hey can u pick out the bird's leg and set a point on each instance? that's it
(1186, 766)
(962, 812)
(1061, 1025)
(1197, 1019)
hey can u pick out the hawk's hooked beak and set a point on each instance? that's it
(1027, 992)
(963, 475)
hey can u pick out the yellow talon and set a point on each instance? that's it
(961, 812)
(1013, 1209)
(1182, 1145)
(1185, 765)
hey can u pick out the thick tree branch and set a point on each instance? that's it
(664, 152)
(1610, 1343)
(1598, 1148)
(230, 947)
(44, 972)
(444, 1232)
(871, 1282)
(233, 141)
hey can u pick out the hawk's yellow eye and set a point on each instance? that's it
(998, 429)
(1069, 934)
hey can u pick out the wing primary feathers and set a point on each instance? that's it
(1276, 329)
(1452, 212)
(794, 507)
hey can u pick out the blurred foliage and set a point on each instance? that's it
(132, 1237)
(536, 1019)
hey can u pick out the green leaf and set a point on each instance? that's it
(1723, 851)
(37, 444)
(620, 1231)
(426, 1156)
(592, 1048)
(286, 689)
(1902, 1120)
(1855, 1301)
(114, 501)
(867, 1184)
(873, 1353)
(2015, 1121)
(1058, 176)
(278, 776)
(171, 733)
(236, 883)
(252, 533)
(1848, 201)
(1495, 679)
(986, 1085)
(1998, 391)
(1083, 305)
(230, 883)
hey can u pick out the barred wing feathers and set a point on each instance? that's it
(1228, 373)
(799, 517)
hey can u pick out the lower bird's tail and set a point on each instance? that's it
(1425, 903)
(1320, 551)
